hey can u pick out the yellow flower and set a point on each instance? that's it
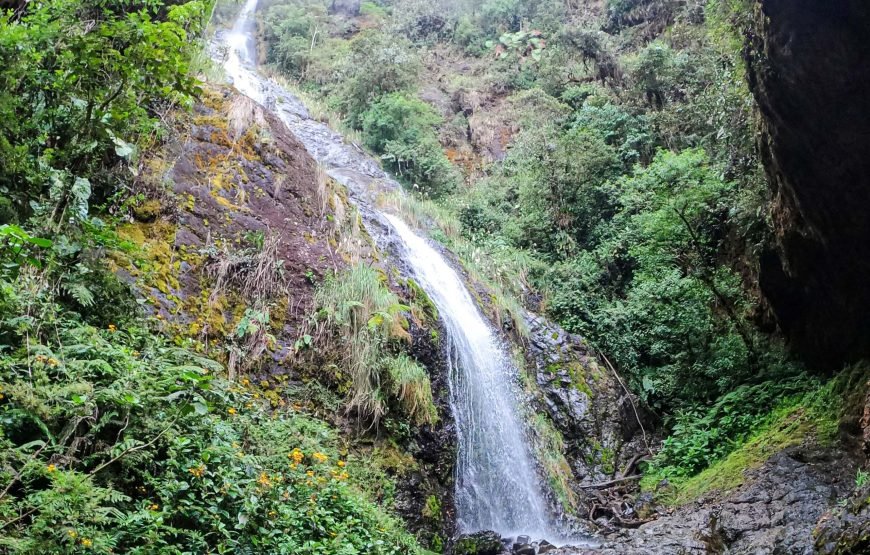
(197, 471)
(86, 542)
(296, 455)
(153, 507)
(246, 381)
(51, 468)
(112, 328)
(310, 473)
(135, 353)
(263, 480)
(320, 457)
(72, 533)
(340, 463)
(231, 410)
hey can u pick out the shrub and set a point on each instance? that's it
(111, 440)
(402, 129)
(358, 316)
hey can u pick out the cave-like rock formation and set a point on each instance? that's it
(809, 66)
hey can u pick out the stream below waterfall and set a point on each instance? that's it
(497, 485)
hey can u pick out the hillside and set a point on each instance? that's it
(519, 276)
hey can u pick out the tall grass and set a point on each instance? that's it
(410, 385)
(363, 321)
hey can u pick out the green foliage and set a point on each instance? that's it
(377, 64)
(360, 317)
(79, 85)
(402, 129)
(114, 441)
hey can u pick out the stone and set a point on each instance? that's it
(478, 543)
(545, 547)
(523, 549)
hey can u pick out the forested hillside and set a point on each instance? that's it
(596, 161)
(210, 341)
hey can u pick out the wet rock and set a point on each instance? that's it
(545, 547)
(522, 540)
(585, 402)
(523, 549)
(479, 543)
(845, 529)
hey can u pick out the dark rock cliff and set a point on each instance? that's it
(809, 72)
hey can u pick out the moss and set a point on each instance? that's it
(147, 211)
(419, 297)
(816, 415)
(549, 447)
(156, 262)
(432, 508)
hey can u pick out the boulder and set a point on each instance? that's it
(478, 543)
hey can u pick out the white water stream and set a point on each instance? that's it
(497, 485)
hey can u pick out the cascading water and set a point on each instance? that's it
(497, 487)
(496, 484)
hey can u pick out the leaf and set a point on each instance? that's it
(80, 193)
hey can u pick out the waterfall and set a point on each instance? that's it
(497, 486)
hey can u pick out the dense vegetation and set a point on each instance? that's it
(596, 163)
(117, 433)
(630, 203)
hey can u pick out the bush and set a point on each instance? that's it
(105, 87)
(111, 440)
(402, 129)
(360, 318)
(377, 64)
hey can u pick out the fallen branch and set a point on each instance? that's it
(611, 483)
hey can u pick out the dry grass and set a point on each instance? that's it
(258, 276)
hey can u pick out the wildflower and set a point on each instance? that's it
(112, 328)
(340, 463)
(310, 473)
(153, 507)
(51, 468)
(197, 471)
(246, 381)
(52, 361)
(86, 542)
(320, 457)
(231, 410)
(72, 533)
(263, 480)
(296, 455)
(135, 353)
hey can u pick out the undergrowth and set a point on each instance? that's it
(811, 416)
(359, 318)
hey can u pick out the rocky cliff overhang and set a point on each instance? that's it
(809, 63)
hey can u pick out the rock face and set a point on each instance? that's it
(347, 7)
(586, 403)
(809, 73)
(774, 512)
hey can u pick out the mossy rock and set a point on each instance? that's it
(479, 543)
